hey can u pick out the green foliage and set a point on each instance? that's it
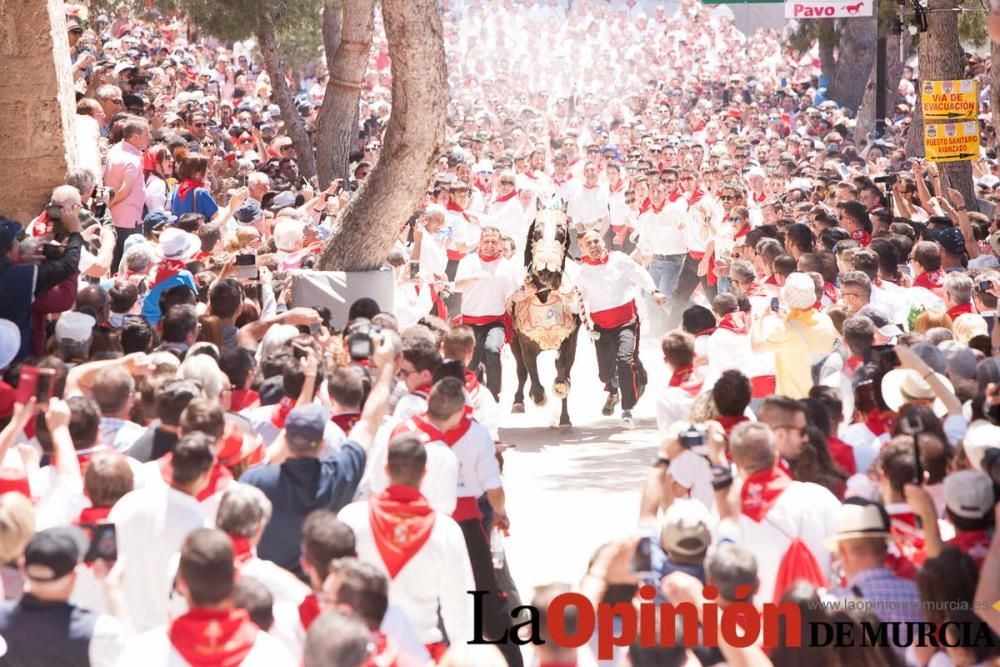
(972, 27)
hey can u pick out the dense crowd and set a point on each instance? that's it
(197, 469)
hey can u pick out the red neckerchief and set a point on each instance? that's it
(744, 230)
(346, 420)
(754, 289)
(675, 196)
(452, 206)
(93, 515)
(842, 454)
(908, 538)
(168, 268)
(880, 422)
(530, 174)
(243, 398)
(562, 181)
(760, 198)
(974, 543)
(309, 610)
(423, 391)
(281, 410)
(591, 187)
(645, 206)
(852, 364)
(771, 280)
(449, 437)
(735, 322)
(490, 259)
(621, 186)
(830, 292)
(603, 259)
(242, 551)
(761, 490)
(955, 311)
(402, 521)
(695, 197)
(471, 382)
(654, 209)
(513, 193)
(207, 638)
(187, 185)
(932, 280)
(217, 481)
(201, 256)
(862, 237)
(729, 423)
(688, 379)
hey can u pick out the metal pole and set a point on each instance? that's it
(880, 65)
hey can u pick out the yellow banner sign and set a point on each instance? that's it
(950, 100)
(951, 142)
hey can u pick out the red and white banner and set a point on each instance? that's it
(819, 9)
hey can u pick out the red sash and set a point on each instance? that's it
(613, 318)
(220, 476)
(955, 311)
(688, 379)
(761, 490)
(309, 610)
(346, 420)
(168, 268)
(735, 322)
(213, 638)
(93, 515)
(480, 320)
(281, 410)
(402, 522)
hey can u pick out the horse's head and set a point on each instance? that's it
(548, 243)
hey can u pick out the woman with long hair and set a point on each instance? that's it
(158, 167)
(193, 196)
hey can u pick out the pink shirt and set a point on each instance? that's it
(125, 163)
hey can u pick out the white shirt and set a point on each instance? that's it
(588, 205)
(491, 285)
(440, 483)
(433, 257)
(439, 573)
(119, 433)
(606, 286)
(153, 649)
(152, 524)
(703, 220)
(511, 219)
(260, 417)
(662, 232)
(727, 350)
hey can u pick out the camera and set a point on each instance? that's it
(693, 436)
(246, 267)
(888, 179)
(359, 340)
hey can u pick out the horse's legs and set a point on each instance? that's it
(564, 366)
(522, 373)
(529, 353)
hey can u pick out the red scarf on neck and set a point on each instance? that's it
(309, 610)
(281, 411)
(93, 515)
(955, 311)
(862, 237)
(346, 420)
(735, 322)
(218, 480)
(830, 292)
(471, 382)
(499, 200)
(488, 259)
(755, 289)
(452, 206)
(729, 423)
(242, 551)
(761, 490)
(243, 398)
(655, 209)
(449, 437)
(603, 259)
(688, 379)
(695, 197)
(932, 280)
(168, 268)
(207, 638)
(402, 521)
(187, 185)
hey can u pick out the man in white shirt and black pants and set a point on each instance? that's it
(607, 282)
(486, 280)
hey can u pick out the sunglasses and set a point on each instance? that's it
(506, 182)
(687, 178)
(198, 125)
(727, 198)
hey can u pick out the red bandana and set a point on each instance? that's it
(735, 322)
(729, 423)
(955, 311)
(168, 268)
(695, 197)
(187, 185)
(688, 379)
(654, 209)
(218, 480)
(862, 237)
(309, 610)
(281, 411)
(93, 515)
(452, 206)
(761, 490)
(513, 193)
(402, 521)
(755, 289)
(932, 280)
(213, 638)
(449, 437)
(975, 544)
(243, 398)
(830, 292)
(603, 259)
(590, 187)
(490, 259)
(471, 382)
(346, 420)
(242, 551)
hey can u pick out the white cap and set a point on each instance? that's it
(75, 326)
(799, 291)
(10, 342)
(177, 244)
(968, 494)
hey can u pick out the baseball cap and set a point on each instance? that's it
(250, 211)
(9, 231)
(75, 326)
(880, 318)
(685, 533)
(157, 220)
(961, 360)
(968, 494)
(306, 423)
(951, 239)
(52, 553)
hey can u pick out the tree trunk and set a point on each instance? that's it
(893, 73)
(826, 42)
(370, 225)
(283, 97)
(854, 63)
(348, 27)
(940, 56)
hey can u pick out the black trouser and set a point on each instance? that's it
(496, 612)
(454, 302)
(618, 363)
(489, 344)
(122, 234)
(687, 282)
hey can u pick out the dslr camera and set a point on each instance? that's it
(358, 339)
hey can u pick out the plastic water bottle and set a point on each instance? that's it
(496, 548)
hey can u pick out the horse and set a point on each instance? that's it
(545, 320)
